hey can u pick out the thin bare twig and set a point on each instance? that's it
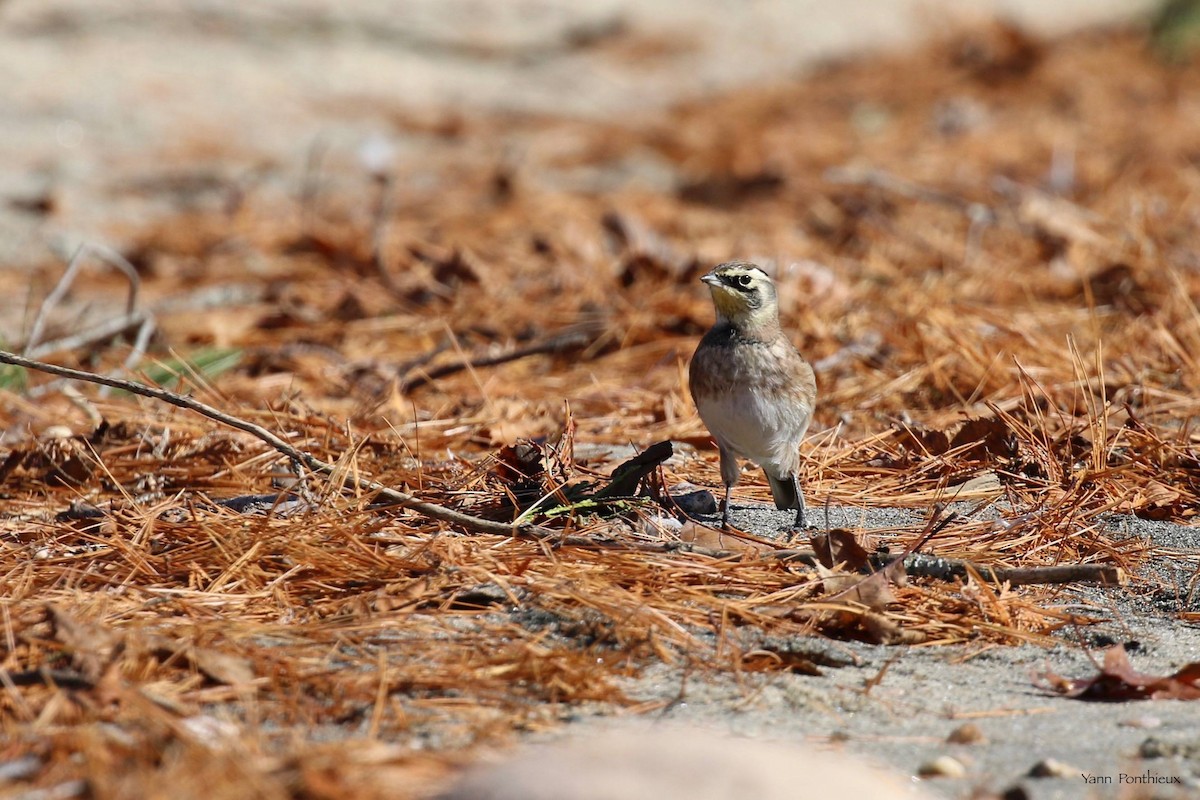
(201, 300)
(915, 564)
(105, 254)
(946, 569)
(96, 333)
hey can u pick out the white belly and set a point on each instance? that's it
(767, 433)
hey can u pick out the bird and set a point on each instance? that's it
(753, 390)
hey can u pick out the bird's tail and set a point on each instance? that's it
(783, 490)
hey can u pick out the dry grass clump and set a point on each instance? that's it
(990, 262)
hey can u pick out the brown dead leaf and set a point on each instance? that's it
(62, 461)
(862, 625)
(1155, 500)
(866, 597)
(873, 591)
(520, 463)
(1118, 285)
(840, 546)
(983, 438)
(922, 441)
(702, 536)
(886, 630)
(772, 660)
(644, 253)
(1118, 681)
(221, 667)
(967, 733)
(835, 581)
(451, 267)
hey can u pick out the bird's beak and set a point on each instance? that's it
(711, 280)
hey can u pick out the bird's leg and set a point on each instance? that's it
(799, 523)
(730, 472)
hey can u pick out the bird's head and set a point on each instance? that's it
(743, 295)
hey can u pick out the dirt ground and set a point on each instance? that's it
(453, 250)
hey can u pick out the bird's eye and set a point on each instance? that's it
(743, 280)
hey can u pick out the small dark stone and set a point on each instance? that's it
(698, 501)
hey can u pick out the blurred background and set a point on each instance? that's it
(111, 111)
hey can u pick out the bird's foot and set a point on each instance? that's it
(800, 525)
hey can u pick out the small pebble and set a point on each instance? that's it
(942, 767)
(967, 733)
(657, 526)
(209, 730)
(1052, 768)
(693, 500)
(1185, 746)
(19, 769)
(1141, 722)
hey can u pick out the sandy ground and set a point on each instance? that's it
(897, 707)
(101, 97)
(926, 693)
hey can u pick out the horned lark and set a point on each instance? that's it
(753, 389)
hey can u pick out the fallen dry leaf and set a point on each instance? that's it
(1155, 500)
(873, 591)
(222, 667)
(702, 536)
(840, 546)
(1118, 680)
(774, 660)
